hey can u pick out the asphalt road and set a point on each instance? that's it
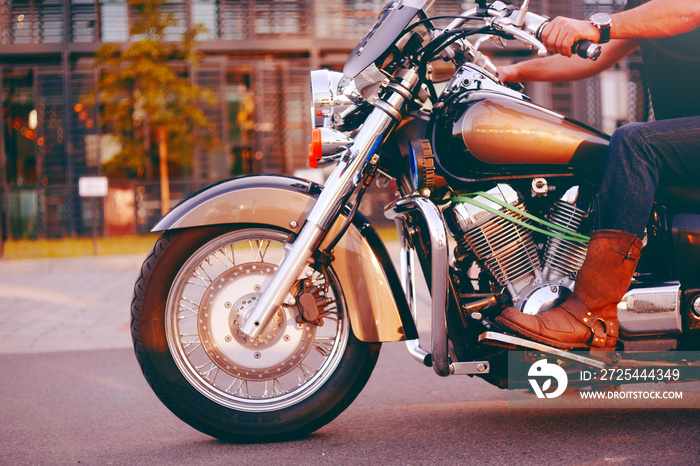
(94, 407)
(71, 392)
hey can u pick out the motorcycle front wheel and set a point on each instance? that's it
(196, 288)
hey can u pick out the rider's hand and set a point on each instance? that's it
(508, 73)
(560, 34)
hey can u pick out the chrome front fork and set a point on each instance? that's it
(341, 183)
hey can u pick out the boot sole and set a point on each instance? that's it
(541, 339)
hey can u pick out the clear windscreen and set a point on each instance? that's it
(393, 19)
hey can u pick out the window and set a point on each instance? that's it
(83, 21)
(206, 13)
(114, 20)
(31, 21)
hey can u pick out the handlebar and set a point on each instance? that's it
(527, 28)
(520, 24)
(586, 49)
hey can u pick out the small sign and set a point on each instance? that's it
(92, 186)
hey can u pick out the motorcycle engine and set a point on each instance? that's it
(536, 278)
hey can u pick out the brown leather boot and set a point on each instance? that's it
(589, 317)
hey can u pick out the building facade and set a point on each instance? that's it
(257, 56)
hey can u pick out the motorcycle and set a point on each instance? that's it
(260, 311)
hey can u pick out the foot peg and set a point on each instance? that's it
(513, 342)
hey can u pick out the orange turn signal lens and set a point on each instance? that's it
(316, 148)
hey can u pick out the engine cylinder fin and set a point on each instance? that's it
(506, 249)
(563, 257)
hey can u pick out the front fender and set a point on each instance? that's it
(376, 303)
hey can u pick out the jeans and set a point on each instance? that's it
(642, 156)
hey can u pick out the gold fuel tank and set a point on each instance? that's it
(486, 134)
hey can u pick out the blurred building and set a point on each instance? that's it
(258, 54)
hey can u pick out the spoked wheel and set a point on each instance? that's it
(196, 289)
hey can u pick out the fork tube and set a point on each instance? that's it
(341, 183)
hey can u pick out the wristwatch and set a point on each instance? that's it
(603, 22)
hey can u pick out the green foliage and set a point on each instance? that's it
(145, 87)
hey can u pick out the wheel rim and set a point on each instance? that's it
(210, 297)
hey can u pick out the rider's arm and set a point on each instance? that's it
(559, 68)
(656, 18)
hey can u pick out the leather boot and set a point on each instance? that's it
(589, 317)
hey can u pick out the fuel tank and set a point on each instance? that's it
(480, 134)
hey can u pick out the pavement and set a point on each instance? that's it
(49, 305)
(65, 402)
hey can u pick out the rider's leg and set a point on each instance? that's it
(641, 155)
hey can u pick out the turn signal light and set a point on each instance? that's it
(326, 142)
(316, 148)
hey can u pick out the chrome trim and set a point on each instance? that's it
(407, 276)
(333, 141)
(563, 258)
(392, 105)
(651, 311)
(598, 359)
(480, 305)
(418, 353)
(439, 256)
(401, 90)
(500, 339)
(321, 97)
(474, 77)
(331, 94)
(505, 248)
(388, 109)
(464, 217)
(696, 306)
(470, 368)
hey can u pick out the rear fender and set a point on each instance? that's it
(376, 303)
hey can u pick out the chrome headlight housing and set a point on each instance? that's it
(332, 94)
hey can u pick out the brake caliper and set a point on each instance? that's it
(311, 303)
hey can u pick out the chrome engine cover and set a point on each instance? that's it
(507, 250)
(503, 247)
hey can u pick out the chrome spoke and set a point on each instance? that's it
(205, 280)
(222, 255)
(259, 248)
(323, 345)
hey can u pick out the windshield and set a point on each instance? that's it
(393, 19)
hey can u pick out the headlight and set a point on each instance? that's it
(331, 94)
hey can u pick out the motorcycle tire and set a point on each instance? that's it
(194, 288)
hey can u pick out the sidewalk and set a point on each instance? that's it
(51, 305)
(83, 303)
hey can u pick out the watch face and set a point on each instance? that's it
(601, 19)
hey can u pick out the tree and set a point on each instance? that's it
(146, 99)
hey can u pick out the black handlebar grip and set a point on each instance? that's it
(586, 49)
